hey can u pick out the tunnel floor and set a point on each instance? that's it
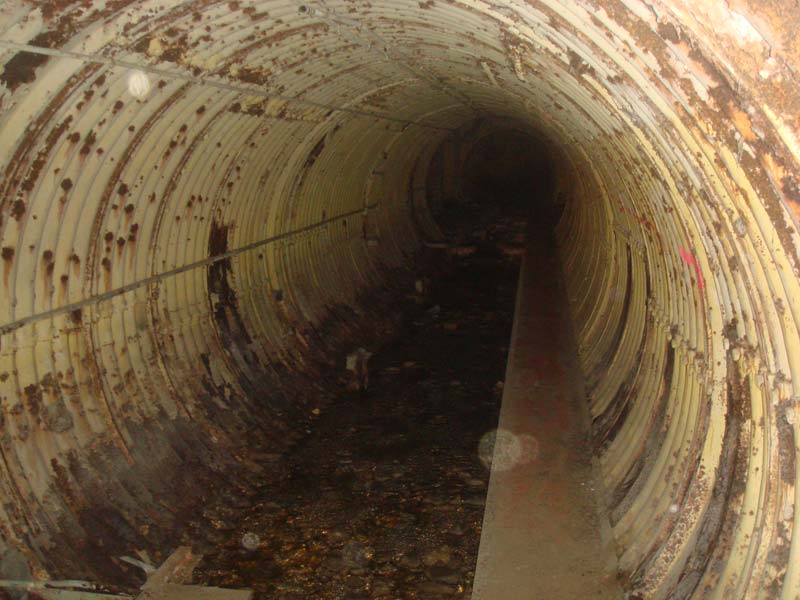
(384, 498)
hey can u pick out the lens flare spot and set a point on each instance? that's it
(500, 450)
(251, 541)
(138, 84)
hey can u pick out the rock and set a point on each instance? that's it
(444, 574)
(435, 587)
(461, 251)
(355, 583)
(216, 538)
(269, 507)
(356, 556)
(409, 561)
(387, 569)
(436, 244)
(334, 564)
(381, 588)
(356, 364)
(384, 472)
(438, 556)
(436, 499)
(404, 519)
(317, 547)
(336, 538)
(511, 250)
(475, 500)
(433, 312)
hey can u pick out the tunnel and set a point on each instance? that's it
(207, 204)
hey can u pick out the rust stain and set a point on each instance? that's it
(18, 209)
(7, 254)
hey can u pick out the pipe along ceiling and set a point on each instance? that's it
(203, 202)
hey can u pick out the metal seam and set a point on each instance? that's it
(207, 82)
(13, 325)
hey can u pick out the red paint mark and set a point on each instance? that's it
(690, 260)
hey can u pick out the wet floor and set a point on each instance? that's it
(384, 498)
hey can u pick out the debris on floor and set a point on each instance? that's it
(511, 249)
(356, 365)
(461, 250)
(167, 582)
(384, 498)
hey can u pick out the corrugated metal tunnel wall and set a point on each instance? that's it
(186, 247)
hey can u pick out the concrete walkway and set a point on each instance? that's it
(541, 536)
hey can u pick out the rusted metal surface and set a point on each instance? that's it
(133, 342)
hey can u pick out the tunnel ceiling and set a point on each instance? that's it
(202, 201)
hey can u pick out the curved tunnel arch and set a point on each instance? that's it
(169, 258)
